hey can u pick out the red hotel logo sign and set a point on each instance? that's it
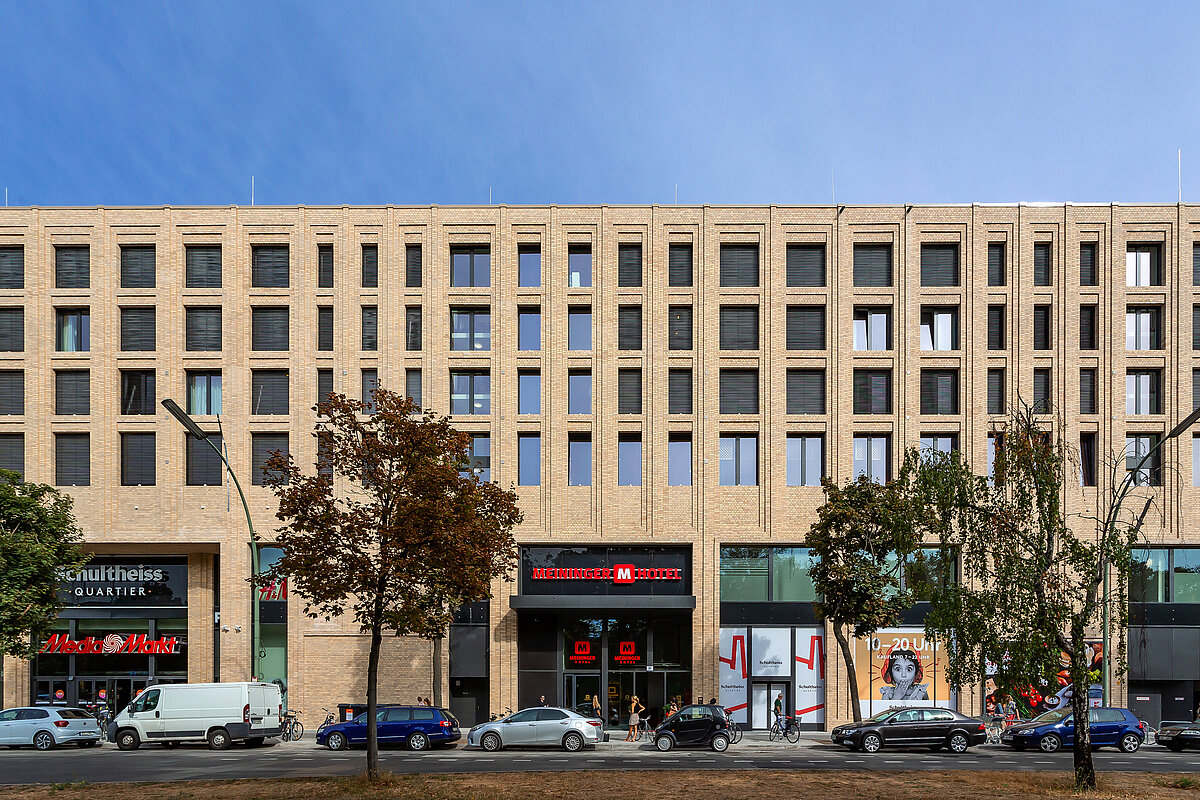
(112, 644)
(617, 573)
(583, 653)
(627, 653)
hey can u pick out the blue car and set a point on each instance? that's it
(1054, 730)
(414, 727)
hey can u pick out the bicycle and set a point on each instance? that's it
(644, 731)
(785, 727)
(330, 719)
(293, 729)
(103, 717)
(735, 732)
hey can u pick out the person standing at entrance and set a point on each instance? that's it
(542, 701)
(596, 711)
(635, 709)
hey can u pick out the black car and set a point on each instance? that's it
(934, 728)
(694, 725)
(1178, 735)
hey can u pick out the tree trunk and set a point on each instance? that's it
(844, 644)
(372, 703)
(437, 672)
(1085, 770)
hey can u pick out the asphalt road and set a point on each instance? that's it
(305, 759)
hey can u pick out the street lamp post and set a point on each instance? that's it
(1110, 521)
(190, 425)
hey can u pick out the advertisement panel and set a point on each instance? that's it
(771, 652)
(733, 673)
(126, 582)
(810, 675)
(1039, 697)
(900, 667)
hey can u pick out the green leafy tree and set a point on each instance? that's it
(860, 539)
(417, 536)
(38, 542)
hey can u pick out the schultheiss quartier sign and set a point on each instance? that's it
(617, 573)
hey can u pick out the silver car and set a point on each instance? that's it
(534, 727)
(45, 728)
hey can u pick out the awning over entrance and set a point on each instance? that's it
(581, 602)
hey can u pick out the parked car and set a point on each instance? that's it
(694, 725)
(547, 727)
(1054, 730)
(934, 728)
(46, 728)
(1178, 735)
(219, 713)
(415, 727)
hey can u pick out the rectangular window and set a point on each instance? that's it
(529, 328)
(1196, 264)
(579, 459)
(939, 391)
(138, 394)
(471, 266)
(412, 328)
(995, 329)
(1185, 575)
(872, 391)
(1041, 328)
(12, 452)
(1042, 267)
(412, 386)
(579, 328)
(939, 328)
(1087, 327)
(204, 392)
(12, 268)
(679, 328)
(739, 265)
(137, 329)
(204, 467)
(579, 265)
(938, 443)
(1143, 328)
(72, 391)
(270, 266)
(996, 264)
(1195, 389)
(269, 328)
(738, 393)
(269, 391)
(12, 391)
(413, 265)
(629, 459)
(1143, 391)
(739, 327)
(529, 459)
(72, 267)
(806, 391)
(370, 382)
(679, 391)
(1041, 390)
(12, 329)
(873, 328)
(529, 265)
(1143, 265)
(137, 266)
(202, 329)
(745, 574)
(479, 455)
(629, 391)
(370, 266)
(74, 330)
(679, 459)
(629, 327)
(1087, 458)
(805, 459)
(470, 329)
(325, 328)
(872, 457)
(529, 392)
(872, 265)
(324, 266)
(995, 391)
(679, 265)
(1088, 273)
(629, 265)
(137, 459)
(72, 459)
(806, 265)
(1147, 471)
(1196, 327)
(470, 392)
(1087, 390)
(939, 265)
(579, 391)
(805, 328)
(739, 460)
(262, 447)
(202, 266)
(324, 385)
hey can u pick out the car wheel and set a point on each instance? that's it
(572, 743)
(418, 741)
(664, 743)
(43, 740)
(1050, 743)
(871, 743)
(958, 743)
(1130, 743)
(491, 742)
(719, 743)
(336, 741)
(218, 739)
(127, 739)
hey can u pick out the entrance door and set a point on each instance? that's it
(762, 701)
(578, 691)
(622, 687)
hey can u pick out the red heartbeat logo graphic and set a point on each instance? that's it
(815, 653)
(739, 643)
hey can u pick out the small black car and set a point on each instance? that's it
(1177, 735)
(908, 727)
(694, 725)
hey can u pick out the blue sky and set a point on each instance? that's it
(121, 103)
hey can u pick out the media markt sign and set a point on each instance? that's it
(111, 645)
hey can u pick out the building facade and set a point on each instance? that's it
(664, 386)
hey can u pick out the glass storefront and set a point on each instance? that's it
(272, 609)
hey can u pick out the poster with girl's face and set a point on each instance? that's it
(900, 667)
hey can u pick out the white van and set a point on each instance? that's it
(184, 712)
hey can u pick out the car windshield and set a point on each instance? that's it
(881, 716)
(1053, 716)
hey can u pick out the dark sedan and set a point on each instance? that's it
(934, 728)
(1176, 736)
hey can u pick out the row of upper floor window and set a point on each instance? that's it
(470, 265)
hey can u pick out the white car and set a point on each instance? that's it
(546, 727)
(47, 727)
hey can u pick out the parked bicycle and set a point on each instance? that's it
(735, 731)
(785, 727)
(293, 729)
(644, 730)
(103, 716)
(330, 718)
(500, 715)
